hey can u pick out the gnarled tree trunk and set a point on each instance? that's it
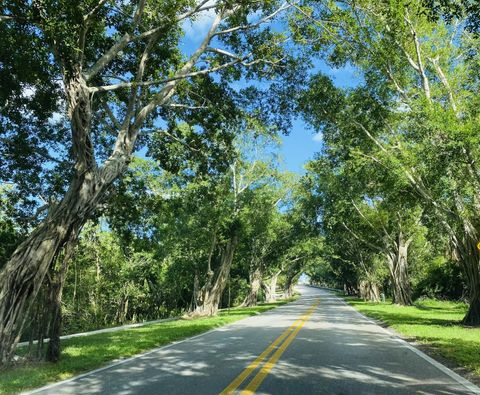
(468, 254)
(55, 300)
(24, 273)
(464, 235)
(398, 267)
(212, 291)
(270, 288)
(367, 290)
(255, 284)
(288, 286)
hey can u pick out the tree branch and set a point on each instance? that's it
(445, 83)
(117, 47)
(112, 117)
(175, 78)
(265, 19)
(361, 239)
(87, 17)
(420, 69)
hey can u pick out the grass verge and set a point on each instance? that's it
(434, 324)
(82, 354)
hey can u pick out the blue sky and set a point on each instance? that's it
(302, 143)
(299, 146)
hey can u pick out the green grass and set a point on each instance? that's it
(82, 354)
(431, 322)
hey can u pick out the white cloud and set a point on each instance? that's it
(318, 137)
(28, 92)
(55, 117)
(195, 29)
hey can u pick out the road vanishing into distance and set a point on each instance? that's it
(315, 345)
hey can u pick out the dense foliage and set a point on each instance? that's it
(397, 180)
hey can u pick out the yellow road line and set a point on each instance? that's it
(267, 367)
(250, 368)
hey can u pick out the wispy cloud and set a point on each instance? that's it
(195, 29)
(318, 137)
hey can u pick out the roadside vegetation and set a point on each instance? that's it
(398, 204)
(434, 323)
(86, 353)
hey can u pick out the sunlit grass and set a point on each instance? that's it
(82, 354)
(432, 322)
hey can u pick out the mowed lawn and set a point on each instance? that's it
(432, 322)
(82, 354)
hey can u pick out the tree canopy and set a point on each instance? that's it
(139, 164)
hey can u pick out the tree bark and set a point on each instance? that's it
(468, 254)
(39, 322)
(53, 349)
(211, 293)
(255, 285)
(368, 291)
(55, 296)
(288, 287)
(271, 288)
(398, 267)
(472, 318)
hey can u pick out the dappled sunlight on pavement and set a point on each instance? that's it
(335, 351)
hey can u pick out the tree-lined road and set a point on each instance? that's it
(316, 345)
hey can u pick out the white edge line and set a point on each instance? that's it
(120, 362)
(459, 379)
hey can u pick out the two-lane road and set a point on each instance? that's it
(316, 345)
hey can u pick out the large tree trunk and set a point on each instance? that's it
(53, 349)
(288, 286)
(472, 318)
(398, 267)
(369, 291)
(464, 236)
(211, 293)
(55, 299)
(24, 273)
(56, 290)
(39, 317)
(270, 288)
(468, 254)
(255, 284)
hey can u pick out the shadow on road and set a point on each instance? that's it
(336, 352)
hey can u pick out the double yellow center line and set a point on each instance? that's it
(286, 337)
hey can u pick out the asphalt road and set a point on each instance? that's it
(316, 345)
